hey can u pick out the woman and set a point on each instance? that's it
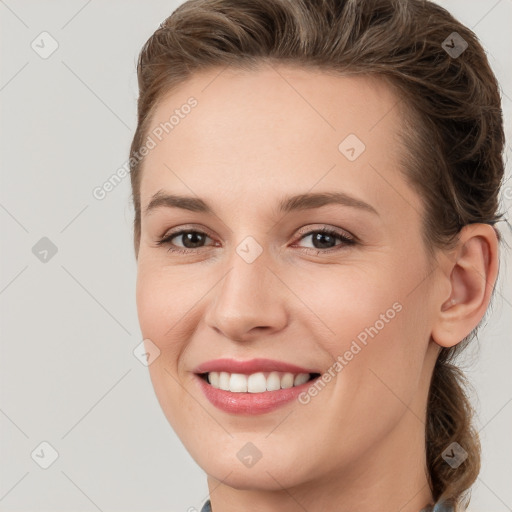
(315, 186)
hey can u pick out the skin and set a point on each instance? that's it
(254, 138)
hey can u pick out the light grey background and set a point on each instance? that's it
(69, 325)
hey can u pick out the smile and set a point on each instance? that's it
(256, 386)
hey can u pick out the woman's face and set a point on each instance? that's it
(258, 279)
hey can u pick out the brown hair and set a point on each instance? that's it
(453, 131)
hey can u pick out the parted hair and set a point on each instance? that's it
(452, 133)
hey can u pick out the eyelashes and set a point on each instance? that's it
(321, 234)
(329, 233)
(166, 241)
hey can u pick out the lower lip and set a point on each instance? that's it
(250, 403)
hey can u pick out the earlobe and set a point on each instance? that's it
(472, 276)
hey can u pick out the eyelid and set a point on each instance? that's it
(302, 231)
(310, 228)
(346, 238)
(166, 238)
(185, 227)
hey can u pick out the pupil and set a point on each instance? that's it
(319, 236)
(192, 237)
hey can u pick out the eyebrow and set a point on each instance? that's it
(306, 201)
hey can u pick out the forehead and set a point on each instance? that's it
(275, 129)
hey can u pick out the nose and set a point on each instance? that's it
(249, 301)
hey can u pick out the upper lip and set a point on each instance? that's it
(249, 366)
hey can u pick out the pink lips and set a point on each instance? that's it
(251, 366)
(249, 403)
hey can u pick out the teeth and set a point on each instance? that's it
(214, 379)
(223, 380)
(287, 380)
(256, 382)
(273, 381)
(300, 379)
(238, 383)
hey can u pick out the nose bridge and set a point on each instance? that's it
(249, 294)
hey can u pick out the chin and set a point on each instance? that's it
(271, 472)
(252, 479)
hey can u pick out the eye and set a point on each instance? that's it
(191, 239)
(324, 240)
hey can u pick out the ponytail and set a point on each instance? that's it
(449, 420)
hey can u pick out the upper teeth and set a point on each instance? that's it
(255, 382)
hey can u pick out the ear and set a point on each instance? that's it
(471, 272)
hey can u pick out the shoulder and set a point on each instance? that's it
(206, 507)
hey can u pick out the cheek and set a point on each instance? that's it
(164, 310)
(379, 343)
(375, 329)
(166, 305)
(352, 304)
